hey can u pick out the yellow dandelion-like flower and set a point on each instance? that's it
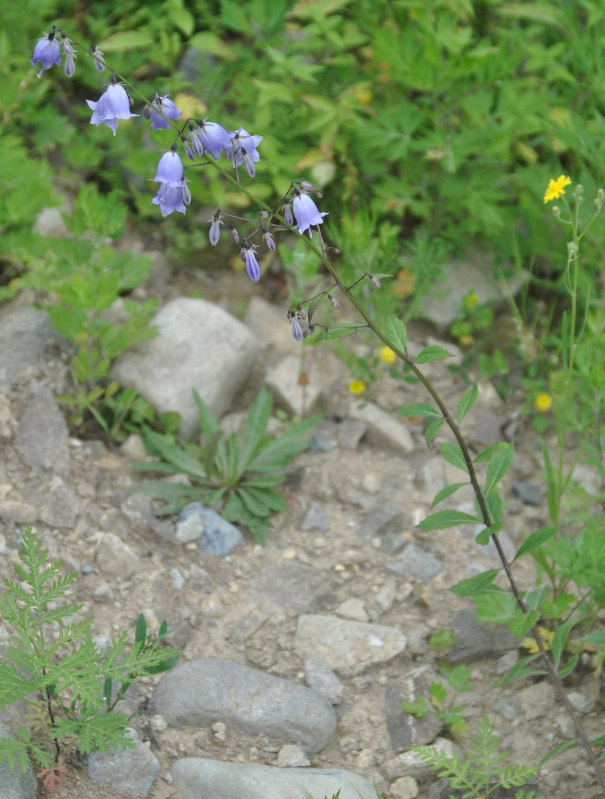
(471, 301)
(357, 386)
(530, 644)
(387, 356)
(543, 402)
(556, 188)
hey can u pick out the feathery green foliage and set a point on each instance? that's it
(61, 675)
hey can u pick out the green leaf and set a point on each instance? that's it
(432, 430)
(534, 540)
(597, 637)
(466, 402)
(534, 598)
(126, 40)
(472, 585)
(567, 669)
(255, 427)
(558, 642)
(107, 689)
(522, 622)
(496, 606)
(140, 633)
(447, 492)
(446, 518)
(558, 749)
(551, 482)
(418, 708)
(498, 466)
(432, 353)
(483, 536)
(394, 330)
(422, 409)
(486, 453)
(452, 452)
(519, 670)
(182, 19)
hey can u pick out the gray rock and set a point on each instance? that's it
(14, 784)
(383, 429)
(316, 519)
(24, 336)
(353, 609)
(583, 703)
(8, 423)
(471, 273)
(270, 326)
(404, 788)
(528, 493)
(50, 222)
(208, 690)
(190, 524)
(508, 708)
(58, 504)
(416, 562)
(292, 756)
(20, 512)
(199, 346)
(289, 587)
(215, 779)
(177, 579)
(283, 382)
(322, 679)
(128, 771)
(406, 730)
(348, 647)
(385, 520)
(219, 537)
(138, 509)
(41, 439)
(115, 557)
(476, 639)
(411, 764)
(350, 433)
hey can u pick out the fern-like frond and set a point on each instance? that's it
(516, 775)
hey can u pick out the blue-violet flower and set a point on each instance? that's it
(243, 150)
(167, 107)
(98, 58)
(172, 198)
(306, 212)
(170, 169)
(249, 258)
(69, 67)
(47, 51)
(215, 228)
(214, 138)
(112, 105)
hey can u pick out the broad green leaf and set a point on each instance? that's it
(447, 492)
(534, 598)
(208, 421)
(432, 430)
(211, 43)
(452, 452)
(253, 504)
(567, 669)
(182, 19)
(498, 466)
(446, 518)
(173, 454)
(466, 402)
(522, 622)
(125, 40)
(432, 353)
(534, 540)
(421, 409)
(494, 506)
(486, 453)
(483, 536)
(394, 330)
(496, 606)
(254, 430)
(558, 642)
(472, 585)
(233, 509)
(597, 637)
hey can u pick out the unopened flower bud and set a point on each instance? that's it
(556, 211)
(599, 199)
(215, 228)
(69, 66)
(98, 58)
(188, 151)
(186, 193)
(287, 211)
(269, 241)
(297, 331)
(306, 185)
(233, 233)
(572, 249)
(375, 281)
(334, 302)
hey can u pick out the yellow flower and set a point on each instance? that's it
(530, 644)
(387, 356)
(466, 340)
(543, 402)
(357, 386)
(556, 188)
(471, 301)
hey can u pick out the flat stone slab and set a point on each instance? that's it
(199, 346)
(210, 689)
(215, 779)
(348, 647)
(382, 429)
(129, 771)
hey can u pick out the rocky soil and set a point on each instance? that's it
(296, 655)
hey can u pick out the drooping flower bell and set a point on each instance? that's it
(173, 194)
(69, 67)
(166, 106)
(215, 228)
(306, 212)
(214, 138)
(98, 58)
(47, 51)
(249, 258)
(112, 105)
(243, 150)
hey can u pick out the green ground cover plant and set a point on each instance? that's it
(71, 689)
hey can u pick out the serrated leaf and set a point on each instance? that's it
(452, 452)
(534, 598)
(498, 466)
(534, 540)
(432, 353)
(472, 585)
(559, 639)
(523, 622)
(396, 333)
(420, 409)
(496, 606)
(466, 402)
(447, 492)
(432, 430)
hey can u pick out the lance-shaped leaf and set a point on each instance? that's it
(498, 466)
(446, 518)
(467, 401)
(452, 452)
(395, 331)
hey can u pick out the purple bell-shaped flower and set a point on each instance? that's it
(112, 105)
(47, 51)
